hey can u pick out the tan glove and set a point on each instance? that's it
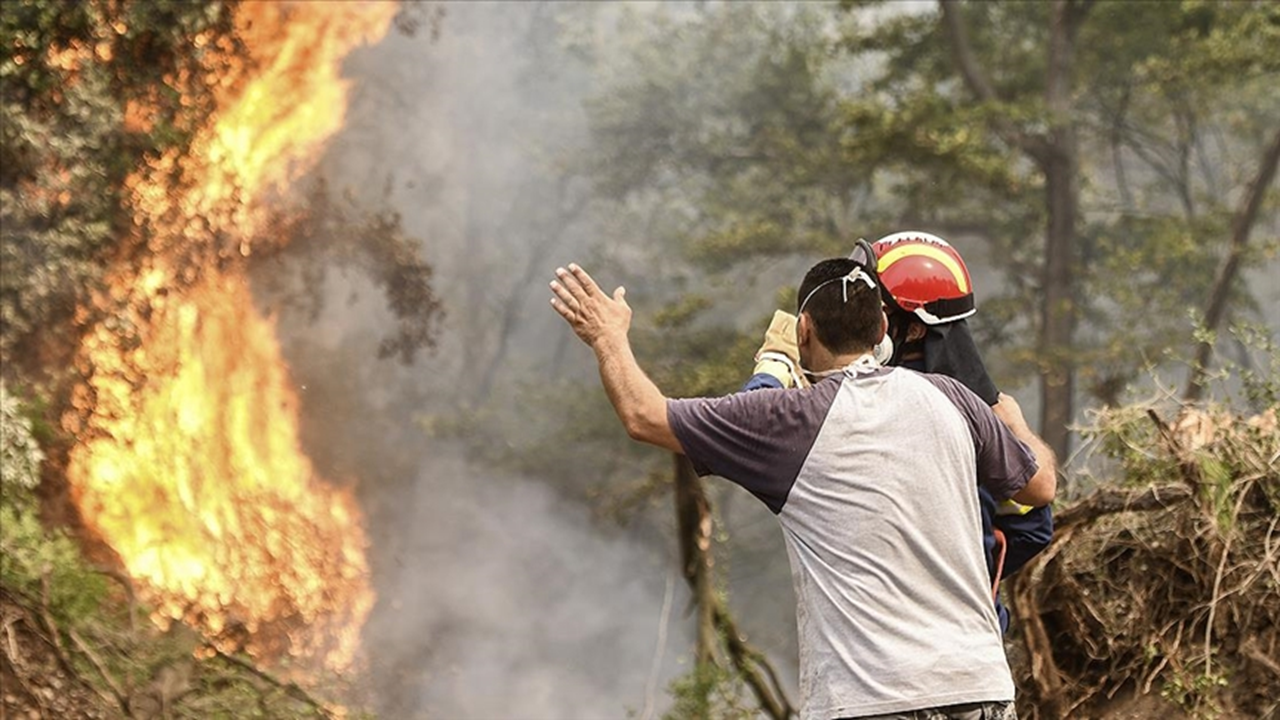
(779, 356)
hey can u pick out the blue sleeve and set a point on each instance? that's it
(1025, 536)
(760, 381)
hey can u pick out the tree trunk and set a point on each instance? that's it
(1058, 306)
(1055, 155)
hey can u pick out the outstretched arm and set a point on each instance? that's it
(602, 323)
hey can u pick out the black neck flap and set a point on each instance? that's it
(949, 349)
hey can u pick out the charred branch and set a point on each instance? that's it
(758, 673)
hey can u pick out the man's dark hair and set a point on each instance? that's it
(843, 326)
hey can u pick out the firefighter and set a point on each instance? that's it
(928, 295)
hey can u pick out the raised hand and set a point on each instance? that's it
(595, 317)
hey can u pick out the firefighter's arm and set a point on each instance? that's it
(778, 358)
(602, 323)
(1027, 531)
(1041, 488)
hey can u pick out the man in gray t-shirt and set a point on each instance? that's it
(871, 472)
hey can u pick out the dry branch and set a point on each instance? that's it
(291, 689)
(121, 700)
(693, 515)
(1241, 227)
(749, 663)
(1112, 500)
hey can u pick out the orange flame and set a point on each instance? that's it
(272, 130)
(190, 464)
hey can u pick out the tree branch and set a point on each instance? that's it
(1241, 225)
(1112, 500)
(748, 661)
(1033, 145)
(693, 516)
(121, 700)
(291, 689)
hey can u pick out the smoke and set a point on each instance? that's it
(506, 601)
(498, 594)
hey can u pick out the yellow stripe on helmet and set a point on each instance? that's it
(936, 253)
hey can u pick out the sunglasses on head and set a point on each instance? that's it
(865, 256)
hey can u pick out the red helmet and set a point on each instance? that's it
(924, 275)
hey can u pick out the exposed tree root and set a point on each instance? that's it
(1168, 587)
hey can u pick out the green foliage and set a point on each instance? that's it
(709, 691)
(69, 75)
(334, 232)
(1260, 377)
(33, 560)
(20, 455)
(1194, 693)
(756, 133)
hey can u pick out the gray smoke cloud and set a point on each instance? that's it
(507, 601)
(498, 595)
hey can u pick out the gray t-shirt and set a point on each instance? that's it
(872, 475)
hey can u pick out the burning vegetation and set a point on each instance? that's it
(189, 464)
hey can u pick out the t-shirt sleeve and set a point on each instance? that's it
(757, 439)
(1005, 463)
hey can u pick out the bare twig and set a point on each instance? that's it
(121, 700)
(14, 657)
(127, 583)
(1217, 588)
(1190, 470)
(52, 627)
(1251, 650)
(660, 649)
(64, 661)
